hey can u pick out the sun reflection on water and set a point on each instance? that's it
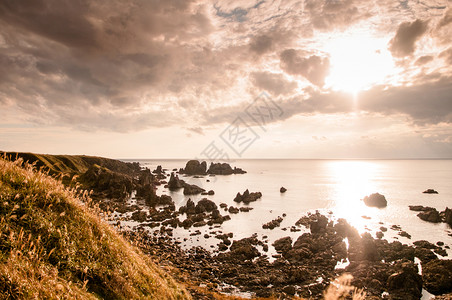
(353, 180)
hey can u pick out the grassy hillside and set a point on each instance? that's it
(71, 164)
(53, 246)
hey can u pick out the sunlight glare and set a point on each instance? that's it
(357, 62)
(354, 180)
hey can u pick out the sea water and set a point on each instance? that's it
(333, 187)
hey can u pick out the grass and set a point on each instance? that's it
(52, 245)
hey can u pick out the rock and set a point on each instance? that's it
(200, 224)
(448, 216)
(233, 210)
(139, 216)
(194, 167)
(192, 189)
(223, 205)
(437, 276)
(406, 283)
(273, 223)
(247, 197)
(205, 205)
(283, 245)
(420, 208)
(405, 234)
(244, 249)
(289, 290)
(430, 216)
(379, 235)
(430, 191)
(282, 190)
(375, 200)
(246, 209)
(175, 183)
(220, 169)
(158, 170)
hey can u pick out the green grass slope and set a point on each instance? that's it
(53, 247)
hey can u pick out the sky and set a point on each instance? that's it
(227, 79)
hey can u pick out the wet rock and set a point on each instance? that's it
(420, 208)
(244, 249)
(223, 205)
(437, 276)
(192, 189)
(205, 205)
(233, 210)
(283, 245)
(405, 234)
(375, 200)
(246, 209)
(158, 170)
(448, 216)
(210, 193)
(273, 223)
(430, 191)
(431, 216)
(200, 224)
(247, 197)
(194, 167)
(175, 183)
(282, 190)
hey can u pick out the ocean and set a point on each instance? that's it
(333, 187)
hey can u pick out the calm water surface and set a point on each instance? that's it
(331, 186)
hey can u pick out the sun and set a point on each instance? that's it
(357, 61)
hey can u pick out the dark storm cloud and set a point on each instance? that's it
(66, 57)
(314, 68)
(408, 33)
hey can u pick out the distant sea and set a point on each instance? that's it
(334, 187)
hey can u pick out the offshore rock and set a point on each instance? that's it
(375, 200)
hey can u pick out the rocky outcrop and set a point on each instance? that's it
(430, 191)
(192, 189)
(194, 167)
(106, 183)
(437, 275)
(448, 216)
(223, 169)
(375, 200)
(175, 183)
(431, 215)
(273, 223)
(247, 197)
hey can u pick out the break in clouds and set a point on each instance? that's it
(131, 65)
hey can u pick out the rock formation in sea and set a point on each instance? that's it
(375, 200)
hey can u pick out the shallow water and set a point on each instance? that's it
(335, 186)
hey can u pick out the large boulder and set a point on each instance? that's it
(247, 197)
(437, 275)
(375, 200)
(223, 169)
(205, 205)
(194, 167)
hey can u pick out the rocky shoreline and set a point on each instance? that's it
(303, 266)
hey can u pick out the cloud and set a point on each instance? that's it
(197, 130)
(314, 68)
(274, 83)
(424, 60)
(408, 33)
(332, 15)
